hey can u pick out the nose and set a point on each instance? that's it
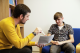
(27, 19)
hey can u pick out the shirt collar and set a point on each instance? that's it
(63, 26)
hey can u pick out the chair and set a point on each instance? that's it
(76, 41)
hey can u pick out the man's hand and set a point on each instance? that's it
(53, 42)
(38, 30)
(59, 43)
(56, 42)
(40, 45)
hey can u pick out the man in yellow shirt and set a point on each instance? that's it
(11, 40)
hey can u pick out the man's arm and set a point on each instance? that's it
(70, 32)
(71, 40)
(48, 34)
(53, 42)
(31, 43)
(13, 37)
(60, 43)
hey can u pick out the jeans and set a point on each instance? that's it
(67, 48)
(26, 49)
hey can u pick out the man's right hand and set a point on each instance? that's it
(53, 42)
(38, 30)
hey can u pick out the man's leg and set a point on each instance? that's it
(68, 48)
(25, 49)
(55, 49)
(5, 51)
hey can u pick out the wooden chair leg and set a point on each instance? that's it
(41, 50)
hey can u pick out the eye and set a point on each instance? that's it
(58, 19)
(27, 16)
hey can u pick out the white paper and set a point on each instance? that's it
(45, 39)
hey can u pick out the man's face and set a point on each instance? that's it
(26, 17)
(59, 21)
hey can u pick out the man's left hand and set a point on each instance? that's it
(39, 45)
(59, 43)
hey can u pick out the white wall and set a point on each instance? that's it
(42, 12)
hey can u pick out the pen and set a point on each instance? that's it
(43, 33)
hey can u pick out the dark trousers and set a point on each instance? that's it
(67, 48)
(26, 49)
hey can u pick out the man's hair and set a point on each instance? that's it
(21, 9)
(57, 15)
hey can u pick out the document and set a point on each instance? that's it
(45, 39)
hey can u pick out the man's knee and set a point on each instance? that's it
(70, 46)
(26, 50)
(55, 49)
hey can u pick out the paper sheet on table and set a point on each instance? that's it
(45, 39)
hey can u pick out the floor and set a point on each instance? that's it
(35, 52)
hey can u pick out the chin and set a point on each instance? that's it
(22, 23)
(58, 24)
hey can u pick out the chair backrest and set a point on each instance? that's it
(76, 36)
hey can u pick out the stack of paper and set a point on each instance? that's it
(45, 39)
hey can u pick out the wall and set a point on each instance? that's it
(42, 12)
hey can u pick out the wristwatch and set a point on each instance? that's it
(34, 33)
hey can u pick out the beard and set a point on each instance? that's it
(21, 22)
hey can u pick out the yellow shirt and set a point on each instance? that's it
(9, 35)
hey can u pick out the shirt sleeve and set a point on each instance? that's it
(51, 29)
(11, 35)
(70, 30)
(31, 43)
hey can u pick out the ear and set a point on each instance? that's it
(21, 16)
